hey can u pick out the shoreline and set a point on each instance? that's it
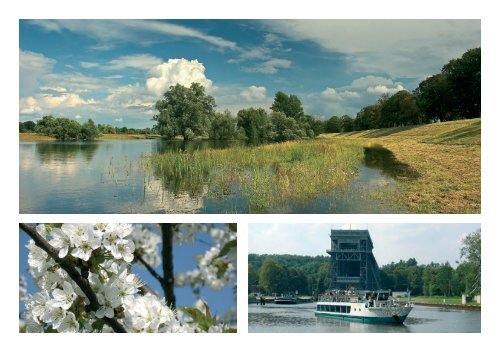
(451, 306)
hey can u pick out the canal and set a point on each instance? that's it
(300, 318)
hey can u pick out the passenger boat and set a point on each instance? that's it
(286, 300)
(366, 306)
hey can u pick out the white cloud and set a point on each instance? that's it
(131, 95)
(181, 71)
(333, 94)
(75, 82)
(87, 64)
(109, 32)
(401, 48)
(28, 105)
(77, 117)
(47, 102)
(254, 93)
(32, 67)
(138, 61)
(270, 66)
(55, 89)
(66, 100)
(119, 119)
(381, 89)
(370, 80)
(392, 242)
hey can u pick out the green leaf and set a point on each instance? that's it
(227, 248)
(204, 321)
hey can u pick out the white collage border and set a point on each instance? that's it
(242, 340)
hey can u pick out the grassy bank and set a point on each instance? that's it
(446, 156)
(266, 175)
(27, 137)
(442, 301)
(129, 136)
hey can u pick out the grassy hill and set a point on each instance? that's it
(446, 157)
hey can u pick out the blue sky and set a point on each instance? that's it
(184, 260)
(426, 242)
(113, 71)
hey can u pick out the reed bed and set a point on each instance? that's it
(267, 176)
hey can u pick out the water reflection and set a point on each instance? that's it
(113, 176)
(64, 152)
(300, 318)
(164, 146)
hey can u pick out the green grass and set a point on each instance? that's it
(436, 168)
(441, 300)
(446, 156)
(267, 175)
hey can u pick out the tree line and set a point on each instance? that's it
(452, 94)
(190, 113)
(306, 274)
(63, 128)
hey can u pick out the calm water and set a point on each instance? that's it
(300, 318)
(109, 177)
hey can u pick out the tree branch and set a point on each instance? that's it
(65, 264)
(167, 233)
(149, 268)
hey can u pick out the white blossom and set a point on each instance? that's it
(87, 244)
(64, 298)
(69, 324)
(60, 240)
(107, 252)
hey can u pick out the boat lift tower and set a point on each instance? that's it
(352, 263)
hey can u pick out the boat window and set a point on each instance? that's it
(383, 296)
(348, 309)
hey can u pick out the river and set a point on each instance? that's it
(109, 176)
(300, 318)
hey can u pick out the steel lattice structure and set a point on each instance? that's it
(352, 263)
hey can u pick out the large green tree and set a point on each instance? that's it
(435, 99)
(464, 75)
(287, 128)
(273, 277)
(290, 105)
(400, 110)
(224, 127)
(368, 118)
(185, 111)
(471, 253)
(332, 125)
(256, 125)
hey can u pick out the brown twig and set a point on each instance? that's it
(73, 274)
(150, 269)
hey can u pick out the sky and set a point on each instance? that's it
(184, 260)
(114, 71)
(426, 242)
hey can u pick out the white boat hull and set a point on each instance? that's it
(360, 311)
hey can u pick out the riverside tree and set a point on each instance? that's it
(185, 111)
(63, 128)
(85, 281)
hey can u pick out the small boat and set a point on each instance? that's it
(286, 300)
(366, 306)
